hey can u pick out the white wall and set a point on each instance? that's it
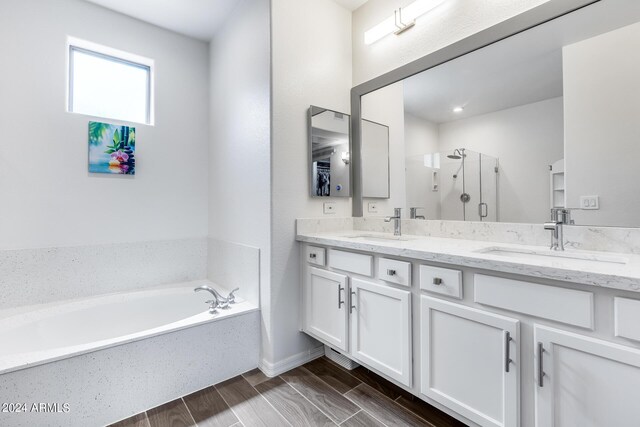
(48, 197)
(240, 153)
(526, 140)
(420, 138)
(450, 22)
(602, 89)
(310, 65)
(386, 106)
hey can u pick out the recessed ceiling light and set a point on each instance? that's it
(458, 109)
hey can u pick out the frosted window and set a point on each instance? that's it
(106, 86)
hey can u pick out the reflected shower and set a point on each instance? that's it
(458, 154)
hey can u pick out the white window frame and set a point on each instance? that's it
(115, 55)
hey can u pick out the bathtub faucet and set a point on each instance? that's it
(217, 301)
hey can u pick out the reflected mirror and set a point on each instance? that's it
(548, 118)
(330, 155)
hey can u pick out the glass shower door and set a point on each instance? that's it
(478, 198)
(488, 205)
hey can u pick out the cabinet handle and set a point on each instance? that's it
(507, 350)
(437, 281)
(313, 256)
(351, 306)
(391, 272)
(340, 302)
(541, 373)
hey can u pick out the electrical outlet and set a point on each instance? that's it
(590, 202)
(373, 207)
(329, 208)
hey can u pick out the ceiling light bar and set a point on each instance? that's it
(401, 20)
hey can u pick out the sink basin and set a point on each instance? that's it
(379, 238)
(546, 254)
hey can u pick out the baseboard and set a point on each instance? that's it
(274, 369)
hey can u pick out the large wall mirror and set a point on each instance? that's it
(547, 118)
(330, 152)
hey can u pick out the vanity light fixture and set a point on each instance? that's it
(458, 110)
(346, 157)
(401, 20)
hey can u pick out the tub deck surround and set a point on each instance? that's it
(117, 382)
(43, 275)
(44, 333)
(469, 253)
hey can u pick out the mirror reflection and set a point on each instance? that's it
(375, 160)
(463, 185)
(330, 163)
(544, 119)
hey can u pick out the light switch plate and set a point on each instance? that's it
(589, 202)
(373, 207)
(329, 208)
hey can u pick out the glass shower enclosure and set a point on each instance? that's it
(458, 185)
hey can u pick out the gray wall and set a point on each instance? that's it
(602, 126)
(48, 197)
(240, 152)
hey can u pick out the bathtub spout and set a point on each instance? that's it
(217, 301)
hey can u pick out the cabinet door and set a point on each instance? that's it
(469, 361)
(586, 382)
(381, 328)
(325, 309)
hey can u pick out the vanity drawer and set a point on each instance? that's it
(627, 318)
(444, 281)
(394, 271)
(548, 302)
(315, 255)
(351, 262)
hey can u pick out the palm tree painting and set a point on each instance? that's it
(112, 149)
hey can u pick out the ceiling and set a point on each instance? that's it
(351, 4)
(493, 81)
(199, 19)
(519, 70)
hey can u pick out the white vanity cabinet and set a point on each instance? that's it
(470, 361)
(482, 342)
(368, 320)
(325, 309)
(583, 381)
(381, 328)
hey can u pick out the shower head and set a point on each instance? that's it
(458, 154)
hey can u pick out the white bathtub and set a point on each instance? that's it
(45, 333)
(112, 356)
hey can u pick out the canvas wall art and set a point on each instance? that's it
(112, 149)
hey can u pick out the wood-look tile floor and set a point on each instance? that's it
(319, 393)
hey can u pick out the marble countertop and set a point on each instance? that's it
(621, 272)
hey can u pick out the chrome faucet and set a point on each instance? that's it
(217, 301)
(397, 221)
(559, 217)
(413, 213)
